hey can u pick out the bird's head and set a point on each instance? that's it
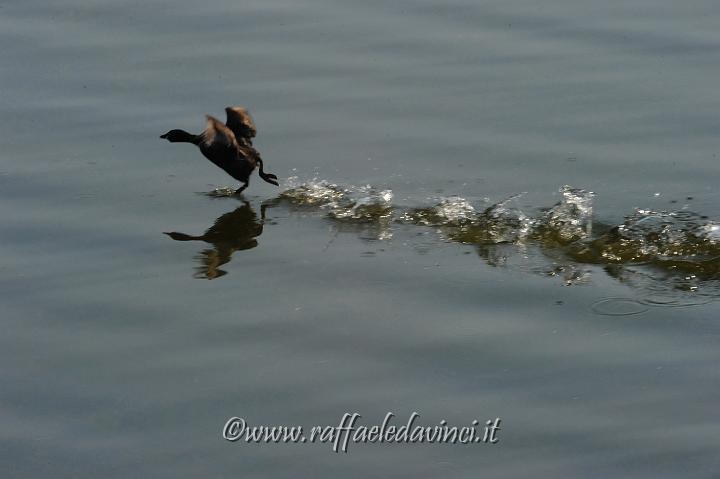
(174, 136)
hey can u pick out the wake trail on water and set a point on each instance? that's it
(659, 251)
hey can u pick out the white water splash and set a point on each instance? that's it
(571, 219)
(455, 210)
(312, 193)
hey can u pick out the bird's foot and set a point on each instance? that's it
(270, 178)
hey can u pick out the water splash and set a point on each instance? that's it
(365, 206)
(571, 219)
(450, 211)
(665, 254)
(678, 241)
(506, 222)
(312, 193)
(220, 192)
(670, 236)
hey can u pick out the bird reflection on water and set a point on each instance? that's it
(236, 230)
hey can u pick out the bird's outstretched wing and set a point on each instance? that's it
(241, 123)
(218, 142)
(217, 134)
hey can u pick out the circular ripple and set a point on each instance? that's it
(618, 307)
(675, 302)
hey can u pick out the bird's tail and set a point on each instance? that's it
(269, 177)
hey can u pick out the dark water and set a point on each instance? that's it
(463, 283)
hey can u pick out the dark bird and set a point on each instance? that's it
(228, 146)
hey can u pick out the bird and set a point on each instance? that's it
(228, 146)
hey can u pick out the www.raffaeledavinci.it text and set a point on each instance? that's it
(348, 431)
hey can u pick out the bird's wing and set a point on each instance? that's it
(218, 135)
(218, 142)
(241, 123)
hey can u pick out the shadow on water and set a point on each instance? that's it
(234, 231)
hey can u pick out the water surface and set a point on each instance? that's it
(447, 272)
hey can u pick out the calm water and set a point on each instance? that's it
(598, 349)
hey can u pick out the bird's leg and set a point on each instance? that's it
(269, 177)
(242, 188)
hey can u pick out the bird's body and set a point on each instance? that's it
(228, 146)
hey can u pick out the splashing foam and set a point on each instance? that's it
(221, 192)
(505, 222)
(682, 247)
(455, 210)
(571, 219)
(312, 193)
(364, 206)
(678, 239)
